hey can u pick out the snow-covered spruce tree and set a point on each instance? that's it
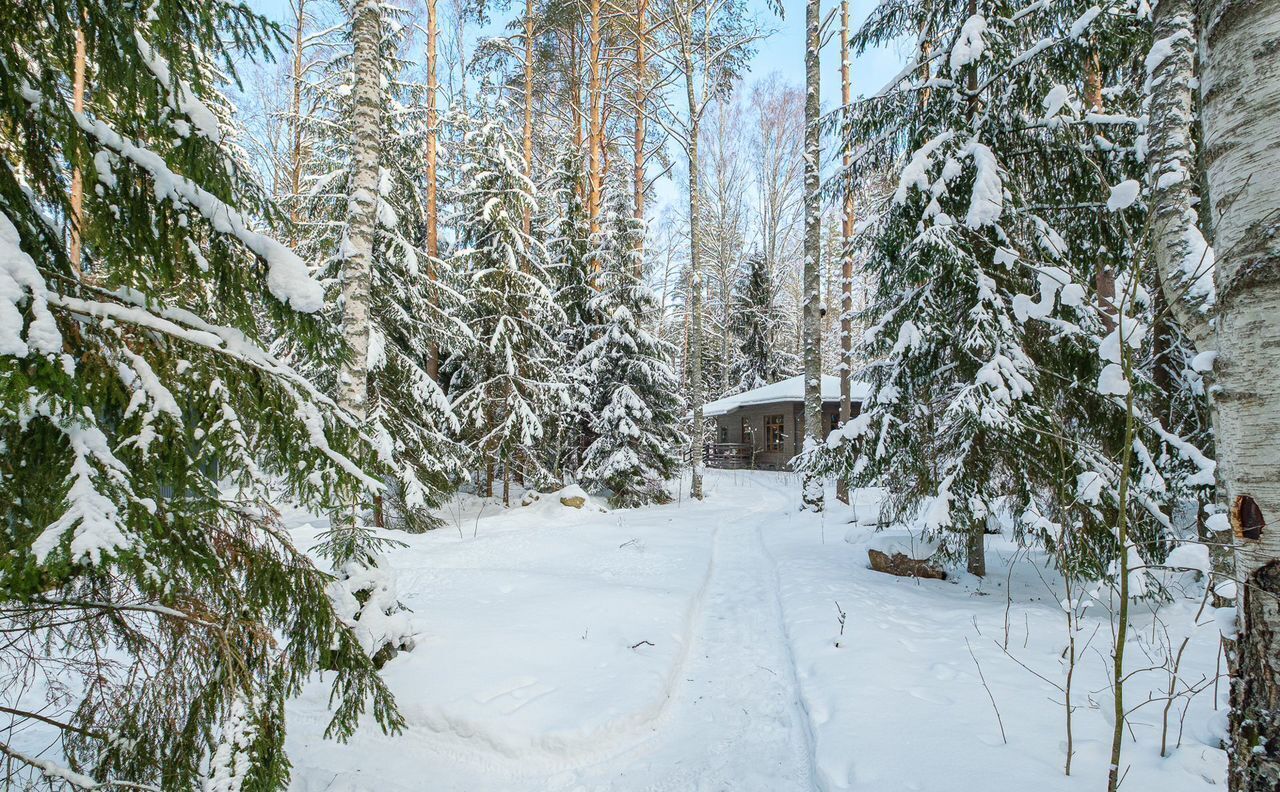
(147, 580)
(571, 261)
(987, 394)
(761, 359)
(505, 385)
(411, 302)
(635, 397)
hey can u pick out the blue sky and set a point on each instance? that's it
(782, 51)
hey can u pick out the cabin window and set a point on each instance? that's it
(773, 433)
(748, 436)
(835, 421)
(724, 433)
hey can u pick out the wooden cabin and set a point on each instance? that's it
(764, 428)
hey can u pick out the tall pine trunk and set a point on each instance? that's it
(641, 100)
(76, 217)
(1241, 85)
(357, 263)
(812, 495)
(433, 177)
(527, 219)
(595, 121)
(846, 253)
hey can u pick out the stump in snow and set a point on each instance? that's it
(905, 556)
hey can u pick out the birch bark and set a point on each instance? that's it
(812, 497)
(846, 253)
(1241, 119)
(357, 247)
(696, 390)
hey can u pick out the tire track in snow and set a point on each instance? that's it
(735, 722)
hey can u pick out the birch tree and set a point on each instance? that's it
(1184, 262)
(705, 43)
(846, 252)
(812, 496)
(1241, 90)
(776, 152)
(357, 248)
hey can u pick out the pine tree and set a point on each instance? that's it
(761, 360)
(635, 393)
(147, 430)
(505, 386)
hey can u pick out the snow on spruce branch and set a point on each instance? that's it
(288, 278)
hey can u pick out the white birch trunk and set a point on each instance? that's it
(357, 247)
(846, 254)
(696, 390)
(1184, 262)
(1241, 86)
(812, 497)
(1179, 251)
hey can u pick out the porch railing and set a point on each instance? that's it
(729, 455)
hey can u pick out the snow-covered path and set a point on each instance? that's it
(737, 696)
(692, 647)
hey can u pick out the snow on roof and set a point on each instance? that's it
(788, 390)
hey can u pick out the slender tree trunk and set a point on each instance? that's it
(1178, 248)
(433, 176)
(696, 391)
(1104, 279)
(527, 220)
(812, 497)
(976, 549)
(295, 117)
(357, 265)
(595, 121)
(1241, 85)
(575, 102)
(1122, 610)
(641, 100)
(77, 178)
(506, 484)
(846, 253)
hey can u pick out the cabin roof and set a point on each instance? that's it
(787, 390)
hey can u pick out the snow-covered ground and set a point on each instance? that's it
(693, 646)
